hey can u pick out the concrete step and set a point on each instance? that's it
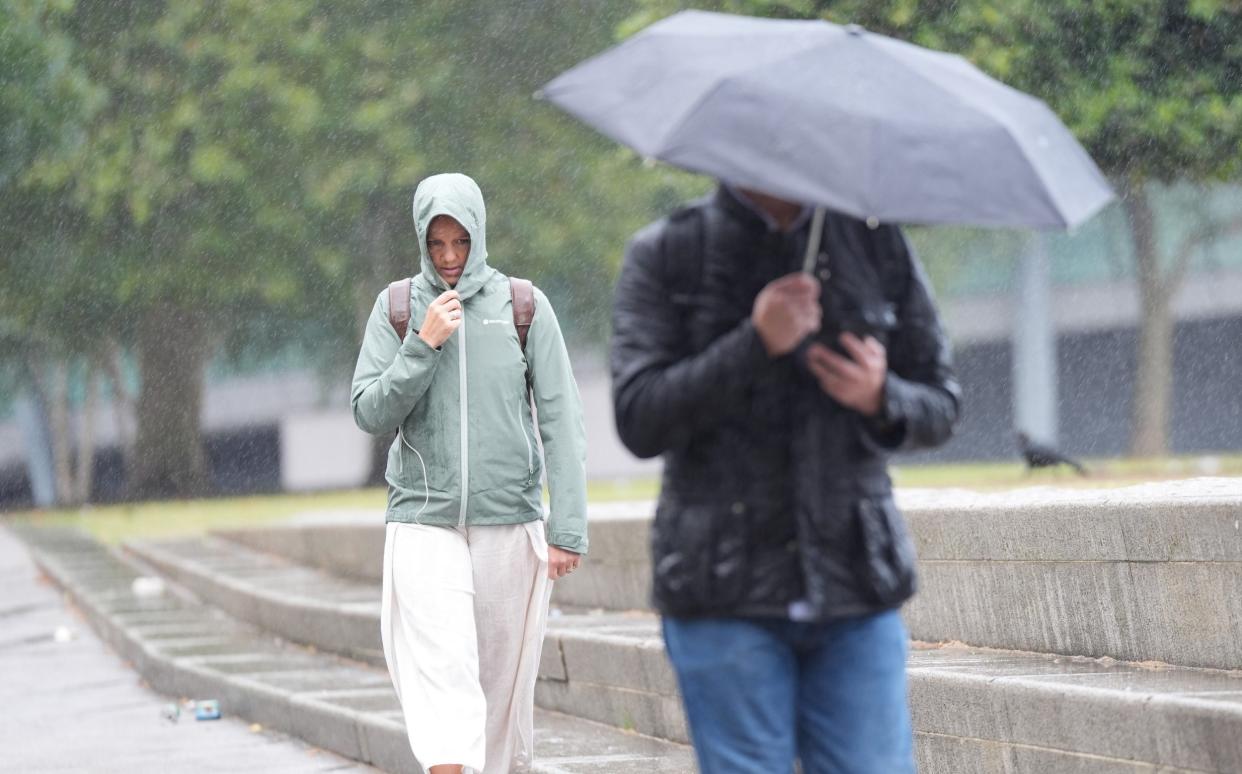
(342, 615)
(974, 710)
(1151, 572)
(184, 648)
(302, 604)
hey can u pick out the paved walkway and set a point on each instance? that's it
(74, 706)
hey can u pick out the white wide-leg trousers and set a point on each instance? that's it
(463, 619)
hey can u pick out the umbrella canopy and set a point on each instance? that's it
(837, 117)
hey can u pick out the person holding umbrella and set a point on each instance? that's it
(778, 340)
(780, 559)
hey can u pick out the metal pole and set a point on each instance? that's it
(1034, 346)
(813, 241)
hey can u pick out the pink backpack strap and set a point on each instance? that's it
(523, 293)
(399, 306)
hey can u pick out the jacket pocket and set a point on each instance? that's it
(406, 474)
(423, 458)
(701, 554)
(888, 555)
(527, 436)
(506, 455)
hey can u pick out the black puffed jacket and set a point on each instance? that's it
(772, 491)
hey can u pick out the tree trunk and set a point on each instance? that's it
(122, 403)
(386, 260)
(173, 349)
(62, 441)
(51, 383)
(1153, 382)
(86, 438)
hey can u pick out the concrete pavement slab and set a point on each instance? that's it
(73, 705)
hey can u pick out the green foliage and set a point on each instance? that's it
(42, 94)
(256, 160)
(561, 199)
(232, 180)
(45, 100)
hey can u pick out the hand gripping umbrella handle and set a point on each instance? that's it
(813, 241)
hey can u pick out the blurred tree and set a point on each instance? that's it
(185, 206)
(47, 296)
(1152, 88)
(235, 178)
(449, 88)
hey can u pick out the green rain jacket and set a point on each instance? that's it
(465, 451)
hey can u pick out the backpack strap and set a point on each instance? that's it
(523, 294)
(399, 306)
(684, 246)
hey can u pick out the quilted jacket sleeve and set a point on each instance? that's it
(922, 397)
(661, 392)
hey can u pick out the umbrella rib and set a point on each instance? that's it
(662, 146)
(1002, 121)
(721, 83)
(658, 146)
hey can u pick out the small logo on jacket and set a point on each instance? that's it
(495, 322)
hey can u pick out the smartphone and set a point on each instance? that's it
(875, 320)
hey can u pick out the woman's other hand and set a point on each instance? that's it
(562, 562)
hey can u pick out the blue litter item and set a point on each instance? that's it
(207, 710)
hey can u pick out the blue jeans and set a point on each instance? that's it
(760, 693)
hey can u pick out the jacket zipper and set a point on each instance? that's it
(465, 431)
(530, 457)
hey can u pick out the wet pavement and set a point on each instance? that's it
(74, 706)
(182, 645)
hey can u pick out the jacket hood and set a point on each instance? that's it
(459, 197)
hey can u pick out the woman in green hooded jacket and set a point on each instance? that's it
(468, 560)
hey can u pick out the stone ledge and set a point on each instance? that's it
(973, 709)
(1150, 572)
(1032, 712)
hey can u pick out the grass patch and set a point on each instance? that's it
(623, 489)
(1102, 473)
(159, 519)
(115, 523)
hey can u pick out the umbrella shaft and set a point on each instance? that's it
(813, 241)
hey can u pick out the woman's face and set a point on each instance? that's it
(448, 244)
